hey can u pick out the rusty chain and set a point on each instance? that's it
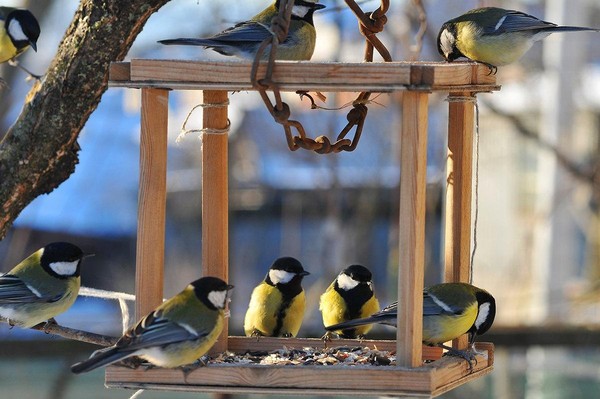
(369, 25)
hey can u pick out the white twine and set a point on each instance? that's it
(184, 132)
(122, 297)
(137, 394)
(472, 99)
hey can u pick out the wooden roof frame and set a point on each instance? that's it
(417, 80)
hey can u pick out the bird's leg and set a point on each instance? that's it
(135, 362)
(47, 324)
(32, 75)
(468, 355)
(187, 369)
(493, 68)
(256, 333)
(327, 337)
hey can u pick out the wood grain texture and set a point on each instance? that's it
(432, 379)
(215, 198)
(459, 187)
(301, 75)
(151, 201)
(413, 166)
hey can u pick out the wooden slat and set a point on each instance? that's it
(245, 344)
(119, 71)
(450, 373)
(152, 201)
(459, 171)
(413, 164)
(430, 380)
(376, 379)
(300, 75)
(215, 200)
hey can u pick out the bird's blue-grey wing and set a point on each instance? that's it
(516, 21)
(155, 330)
(433, 306)
(14, 290)
(244, 32)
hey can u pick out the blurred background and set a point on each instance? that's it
(538, 211)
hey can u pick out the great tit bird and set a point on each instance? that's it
(449, 311)
(494, 36)
(20, 30)
(177, 333)
(277, 304)
(244, 39)
(42, 286)
(350, 296)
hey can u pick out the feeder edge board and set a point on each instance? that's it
(304, 75)
(243, 344)
(429, 380)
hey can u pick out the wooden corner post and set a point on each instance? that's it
(152, 200)
(215, 199)
(413, 168)
(459, 174)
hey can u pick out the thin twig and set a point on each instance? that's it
(422, 15)
(51, 327)
(585, 175)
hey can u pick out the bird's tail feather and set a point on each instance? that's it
(570, 29)
(100, 358)
(188, 42)
(351, 323)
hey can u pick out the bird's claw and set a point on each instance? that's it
(48, 323)
(135, 362)
(327, 337)
(493, 69)
(256, 334)
(469, 355)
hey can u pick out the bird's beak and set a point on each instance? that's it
(304, 273)
(318, 6)
(230, 287)
(88, 255)
(33, 46)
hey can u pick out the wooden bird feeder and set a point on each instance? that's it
(411, 376)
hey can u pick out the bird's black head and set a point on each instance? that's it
(486, 312)
(62, 259)
(358, 273)
(446, 42)
(303, 9)
(286, 273)
(22, 29)
(212, 291)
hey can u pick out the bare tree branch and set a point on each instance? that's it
(39, 151)
(418, 45)
(51, 327)
(585, 175)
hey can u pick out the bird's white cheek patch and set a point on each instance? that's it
(64, 268)
(482, 315)
(447, 41)
(346, 282)
(16, 31)
(280, 276)
(300, 11)
(218, 298)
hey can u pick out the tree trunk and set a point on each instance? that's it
(40, 150)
